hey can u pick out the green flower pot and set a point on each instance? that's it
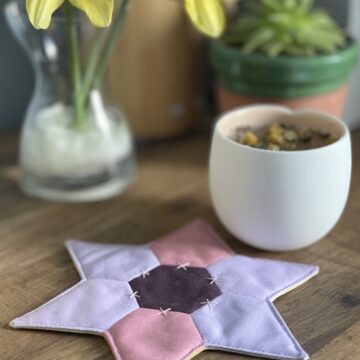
(282, 79)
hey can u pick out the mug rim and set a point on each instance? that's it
(226, 117)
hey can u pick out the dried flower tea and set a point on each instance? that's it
(282, 137)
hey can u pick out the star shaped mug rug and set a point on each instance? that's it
(177, 296)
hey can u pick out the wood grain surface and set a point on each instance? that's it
(171, 189)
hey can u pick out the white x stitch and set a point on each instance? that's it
(144, 274)
(213, 280)
(164, 312)
(208, 303)
(134, 294)
(183, 266)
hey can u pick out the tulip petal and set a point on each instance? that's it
(207, 15)
(99, 12)
(40, 11)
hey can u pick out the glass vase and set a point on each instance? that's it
(61, 158)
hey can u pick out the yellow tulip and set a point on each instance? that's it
(40, 12)
(207, 15)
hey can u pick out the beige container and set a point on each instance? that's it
(155, 70)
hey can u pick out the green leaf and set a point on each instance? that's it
(245, 24)
(286, 38)
(258, 38)
(273, 5)
(289, 4)
(304, 6)
(274, 48)
(280, 19)
(255, 8)
(295, 51)
(321, 17)
(287, 26)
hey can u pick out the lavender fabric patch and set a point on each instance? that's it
(265, 279)
(175, 298)
(110, 261)
(246, 324)
(89, 306)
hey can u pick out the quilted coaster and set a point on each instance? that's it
(181, 294)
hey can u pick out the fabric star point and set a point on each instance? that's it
(198, 312)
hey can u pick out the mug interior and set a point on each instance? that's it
(259, 116)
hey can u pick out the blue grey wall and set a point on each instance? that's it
(16, 78)
(337, 8)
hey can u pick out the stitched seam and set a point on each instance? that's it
(106, 278)
(247, 351)
(251, 351)
(192, 350)
(202, 343)
(164, 237)
(110, 339)
(148, 247)
(115, 280)
(110, 280)
(233, 292)
(211, 232)
(74, 258)
(284, 326)
(262, 351)
(52, 300)
(152, 250)
(55, 299)
(81, 272)
(312, 271)
(239, 349)
(55, 327)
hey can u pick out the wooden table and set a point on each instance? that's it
(170, 190)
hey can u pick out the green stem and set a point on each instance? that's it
(109, 44)
(74, 60)
(91, 66)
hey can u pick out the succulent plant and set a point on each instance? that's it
(290, 27)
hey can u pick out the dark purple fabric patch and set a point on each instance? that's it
(169, 287)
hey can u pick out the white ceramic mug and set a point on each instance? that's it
(279, 200)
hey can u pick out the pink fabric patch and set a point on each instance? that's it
(146, 334)
(195, 244)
